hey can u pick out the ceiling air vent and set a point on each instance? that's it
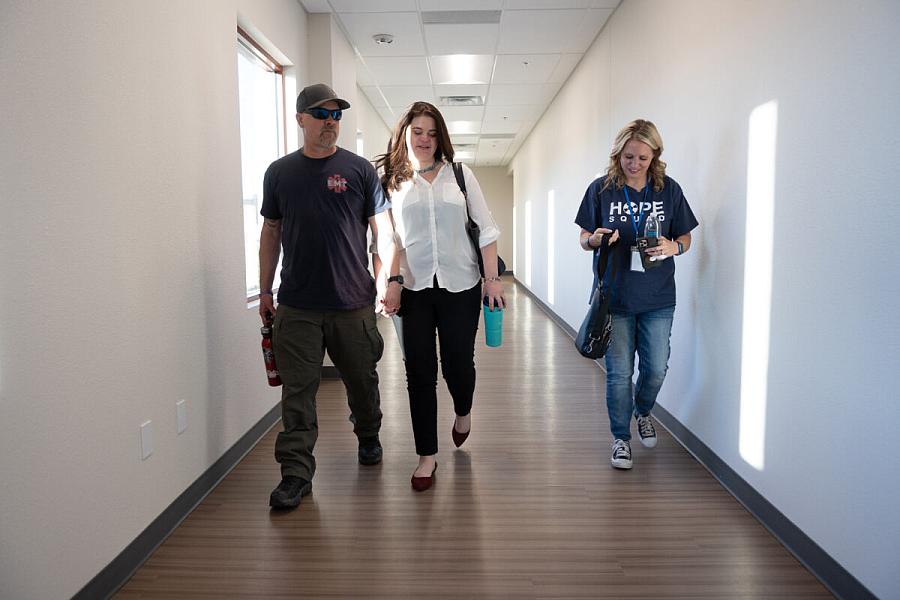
(460, 17)
(462, 100)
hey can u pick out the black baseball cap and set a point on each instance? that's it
(316, 95)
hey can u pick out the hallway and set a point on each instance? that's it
(529, 508)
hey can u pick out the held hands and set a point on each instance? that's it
(387, 295)
(492, 293)
(391, 302)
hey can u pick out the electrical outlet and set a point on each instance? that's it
(180, 416)
(146, 439)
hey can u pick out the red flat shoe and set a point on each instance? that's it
(420, 484)
(459, 438)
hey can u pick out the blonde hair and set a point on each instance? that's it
(642, 131)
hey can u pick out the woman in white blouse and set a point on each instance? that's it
(438, 270)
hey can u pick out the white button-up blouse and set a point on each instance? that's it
(430, 228)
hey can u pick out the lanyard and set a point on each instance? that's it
(636, 223)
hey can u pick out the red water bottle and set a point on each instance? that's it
(269, 354)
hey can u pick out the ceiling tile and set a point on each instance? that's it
(462, 113)
(363, 76)
(398, 70)
(464, 139)
(374, 96)
(401, 96)
(548, 31)
(463, 127)
(494, 146)
(564, 67)
(524, 68)
(403, 26)
(461, 68)
(516, 113)
(539, 43)
(462, 39)
(460, 5)
(507, 126)
(519, 94)
(544, 4)
(379, 6)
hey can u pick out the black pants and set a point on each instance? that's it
(455, 318)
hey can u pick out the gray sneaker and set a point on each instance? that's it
(621, 454)
(647, 431)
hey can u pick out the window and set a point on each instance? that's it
(261, 91)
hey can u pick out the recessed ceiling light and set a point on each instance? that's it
(383, 39)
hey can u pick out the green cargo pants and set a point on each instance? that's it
(300, 339)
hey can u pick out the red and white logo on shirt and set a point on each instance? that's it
(336, 183)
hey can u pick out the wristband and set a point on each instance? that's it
(680, 248)
(492, 279)
(268, 293)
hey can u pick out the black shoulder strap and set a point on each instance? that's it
(460, 178)
(461, 182)
(603, 258)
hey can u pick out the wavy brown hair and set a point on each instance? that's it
(642, 131)
(395, 161)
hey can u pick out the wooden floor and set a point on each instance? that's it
(528, 509)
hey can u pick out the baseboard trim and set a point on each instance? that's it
(119, 571)
(833, 576)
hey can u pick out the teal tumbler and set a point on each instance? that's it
(493, 325)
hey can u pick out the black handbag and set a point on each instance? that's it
(595, 333)
(472, 228)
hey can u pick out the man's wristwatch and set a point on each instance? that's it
(680, 248)
(397, 278)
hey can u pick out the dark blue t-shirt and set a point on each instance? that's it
(633, 291)
(324, 205)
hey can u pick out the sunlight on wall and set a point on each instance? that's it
(551, 246)
(528, 243)
(515, 242)
(758, 244)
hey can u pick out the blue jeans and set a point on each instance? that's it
(648, 333)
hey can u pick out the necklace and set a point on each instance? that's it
(428, 169)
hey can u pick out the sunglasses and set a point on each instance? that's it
(324, 113)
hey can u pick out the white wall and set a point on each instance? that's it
(497, 185)
(698, 69)
(375, 133)
(332, 62)
(121, 270)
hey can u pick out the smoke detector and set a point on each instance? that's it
(383, 39)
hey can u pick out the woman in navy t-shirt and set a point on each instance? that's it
(634, 190)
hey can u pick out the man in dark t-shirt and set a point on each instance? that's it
(318, 204)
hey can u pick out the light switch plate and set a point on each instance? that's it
(180, 416)
(146, 439)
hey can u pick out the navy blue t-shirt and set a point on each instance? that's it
(633, 291)
(324, 205)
